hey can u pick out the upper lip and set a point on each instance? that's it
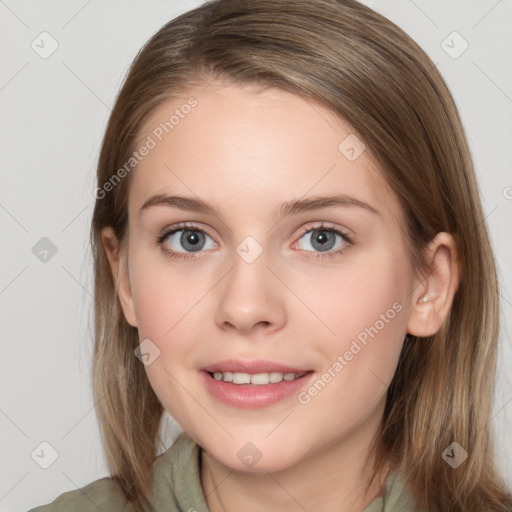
(252, 367)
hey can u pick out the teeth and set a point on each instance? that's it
(241, 378)
(275, 377)
(258, 379)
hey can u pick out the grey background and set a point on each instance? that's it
(54, 112)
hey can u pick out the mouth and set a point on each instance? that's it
(254, 384)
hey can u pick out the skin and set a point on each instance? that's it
(247, 151)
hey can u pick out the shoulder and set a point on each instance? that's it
(176, 484)
(100, 495)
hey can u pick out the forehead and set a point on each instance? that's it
(266, 146)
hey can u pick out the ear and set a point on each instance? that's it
(432, 298)
(116, 255)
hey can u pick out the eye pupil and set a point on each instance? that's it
(322, 238)
(192, 238)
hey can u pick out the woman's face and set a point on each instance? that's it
(296, 265)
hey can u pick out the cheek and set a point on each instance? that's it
(368, 292)
(165, 295)
(169, 307)
(365, 307)
(360, 360)
(166, 303)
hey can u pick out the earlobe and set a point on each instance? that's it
(432, 298)
(118, 265)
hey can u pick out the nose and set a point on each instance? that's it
(250, 298)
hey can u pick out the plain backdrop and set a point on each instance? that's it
(54, 110)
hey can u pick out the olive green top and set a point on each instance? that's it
(177, 488)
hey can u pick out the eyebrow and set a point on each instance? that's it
(295, 206)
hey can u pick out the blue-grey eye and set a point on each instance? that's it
(189, 240)
(322, 240)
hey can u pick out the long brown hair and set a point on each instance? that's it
(374, 76)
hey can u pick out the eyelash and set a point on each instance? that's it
(166, 232)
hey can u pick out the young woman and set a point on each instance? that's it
(291, 259)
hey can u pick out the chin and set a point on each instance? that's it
(252, 457)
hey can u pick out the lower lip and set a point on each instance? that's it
(250, 396)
